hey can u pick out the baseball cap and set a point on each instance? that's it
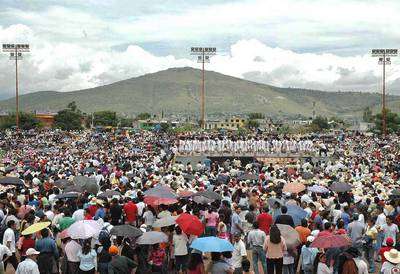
(389, 241)
(32, 251)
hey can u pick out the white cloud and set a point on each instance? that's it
(66, 66)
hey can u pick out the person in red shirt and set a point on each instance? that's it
(24, 244)
(327, 230)
(388, 247)
(265, 220)
(92, 206)
(131, 212)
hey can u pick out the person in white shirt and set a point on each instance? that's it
(4, 251)
(9, 242)
(180, 242)
(29, 265)
(72, 248)
(239, 253)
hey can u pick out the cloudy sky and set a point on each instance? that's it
(289, 43)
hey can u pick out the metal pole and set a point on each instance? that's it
(16, 90)
(384, 129)
(202, 106)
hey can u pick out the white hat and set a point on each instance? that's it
(392, 256)
(310, 239)
(32, 251)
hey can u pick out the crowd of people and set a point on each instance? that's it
(112, 202)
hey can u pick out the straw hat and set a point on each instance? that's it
(392, 256)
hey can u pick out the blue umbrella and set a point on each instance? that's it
(211, 244)
(318, 189)
(297, 213)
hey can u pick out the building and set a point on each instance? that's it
(46, 118)
(231, 123)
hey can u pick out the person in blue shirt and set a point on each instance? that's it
(47, 260)
(100, 212)
(345, 217)
(88, 258)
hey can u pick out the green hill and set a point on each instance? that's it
(176, 91)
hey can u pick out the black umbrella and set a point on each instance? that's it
(307, 175)
(161, 191)
(68, 195)
(208, 194)
(86, 184)
(9, 169)
(62, 183)
(11, 181)
(126, 231)
(247, 176)
(109, 194)
(340, 187)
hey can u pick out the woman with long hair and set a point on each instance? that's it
(88, 258)
(322, 265)
(196, 265)
(274, 247)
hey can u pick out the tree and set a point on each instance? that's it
(26, 121)
(105, 118)
(392, 121)
(255, 116)
(252, 124)
(125, 122)
(69, 118)
(319, 124)
(367, 115)
(143, 116)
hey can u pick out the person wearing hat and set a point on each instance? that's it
(119, 264)
(29, 265)
(307, 256)
(392, 263)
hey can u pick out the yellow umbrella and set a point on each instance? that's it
(35, 228)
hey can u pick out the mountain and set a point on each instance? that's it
(176, 91)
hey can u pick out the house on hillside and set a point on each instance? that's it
(230, 123)
(45, 117)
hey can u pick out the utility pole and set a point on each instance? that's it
(203, 56)
(16, 51)
(384, 59)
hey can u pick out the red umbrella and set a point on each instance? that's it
(185, 193)
(331, 241)
(190, 224)
(156, 201)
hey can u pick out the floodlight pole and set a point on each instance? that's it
(203, 56)
(16, 90)
(384, 59)
(15, 51)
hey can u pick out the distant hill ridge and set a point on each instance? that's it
(177, 90)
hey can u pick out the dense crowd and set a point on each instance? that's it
(121, 202)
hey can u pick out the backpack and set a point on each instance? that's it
(104, 235)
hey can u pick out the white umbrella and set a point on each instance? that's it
(84, 229)
(165, 221)
(152, 237)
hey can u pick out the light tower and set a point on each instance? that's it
(384, 59)
(203, 56)
(16, 51)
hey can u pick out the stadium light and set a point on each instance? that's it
(384, 59)
(203, 56)
(16, 51)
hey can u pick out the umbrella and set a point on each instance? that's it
(209, 194)
(126, 231)
(63, 234)
(331, 241)
(307, 175)
(156, 201)
(297, 213)
(73, 188)
(290, 235)
(340, 187)
(211, 244)
(10, 181)
(190, 224)
(294, 187)
(89, 170)
(161, 191)
(271, 201)
(109, 194)
(247, 176)
(62, 183)
(84, 229)
(165, 221)
(185, 193)
(202, 200)
(35, 228)
(318, 189)
(222, 178)
(86, 184)
(152, 237)
(68, 195)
